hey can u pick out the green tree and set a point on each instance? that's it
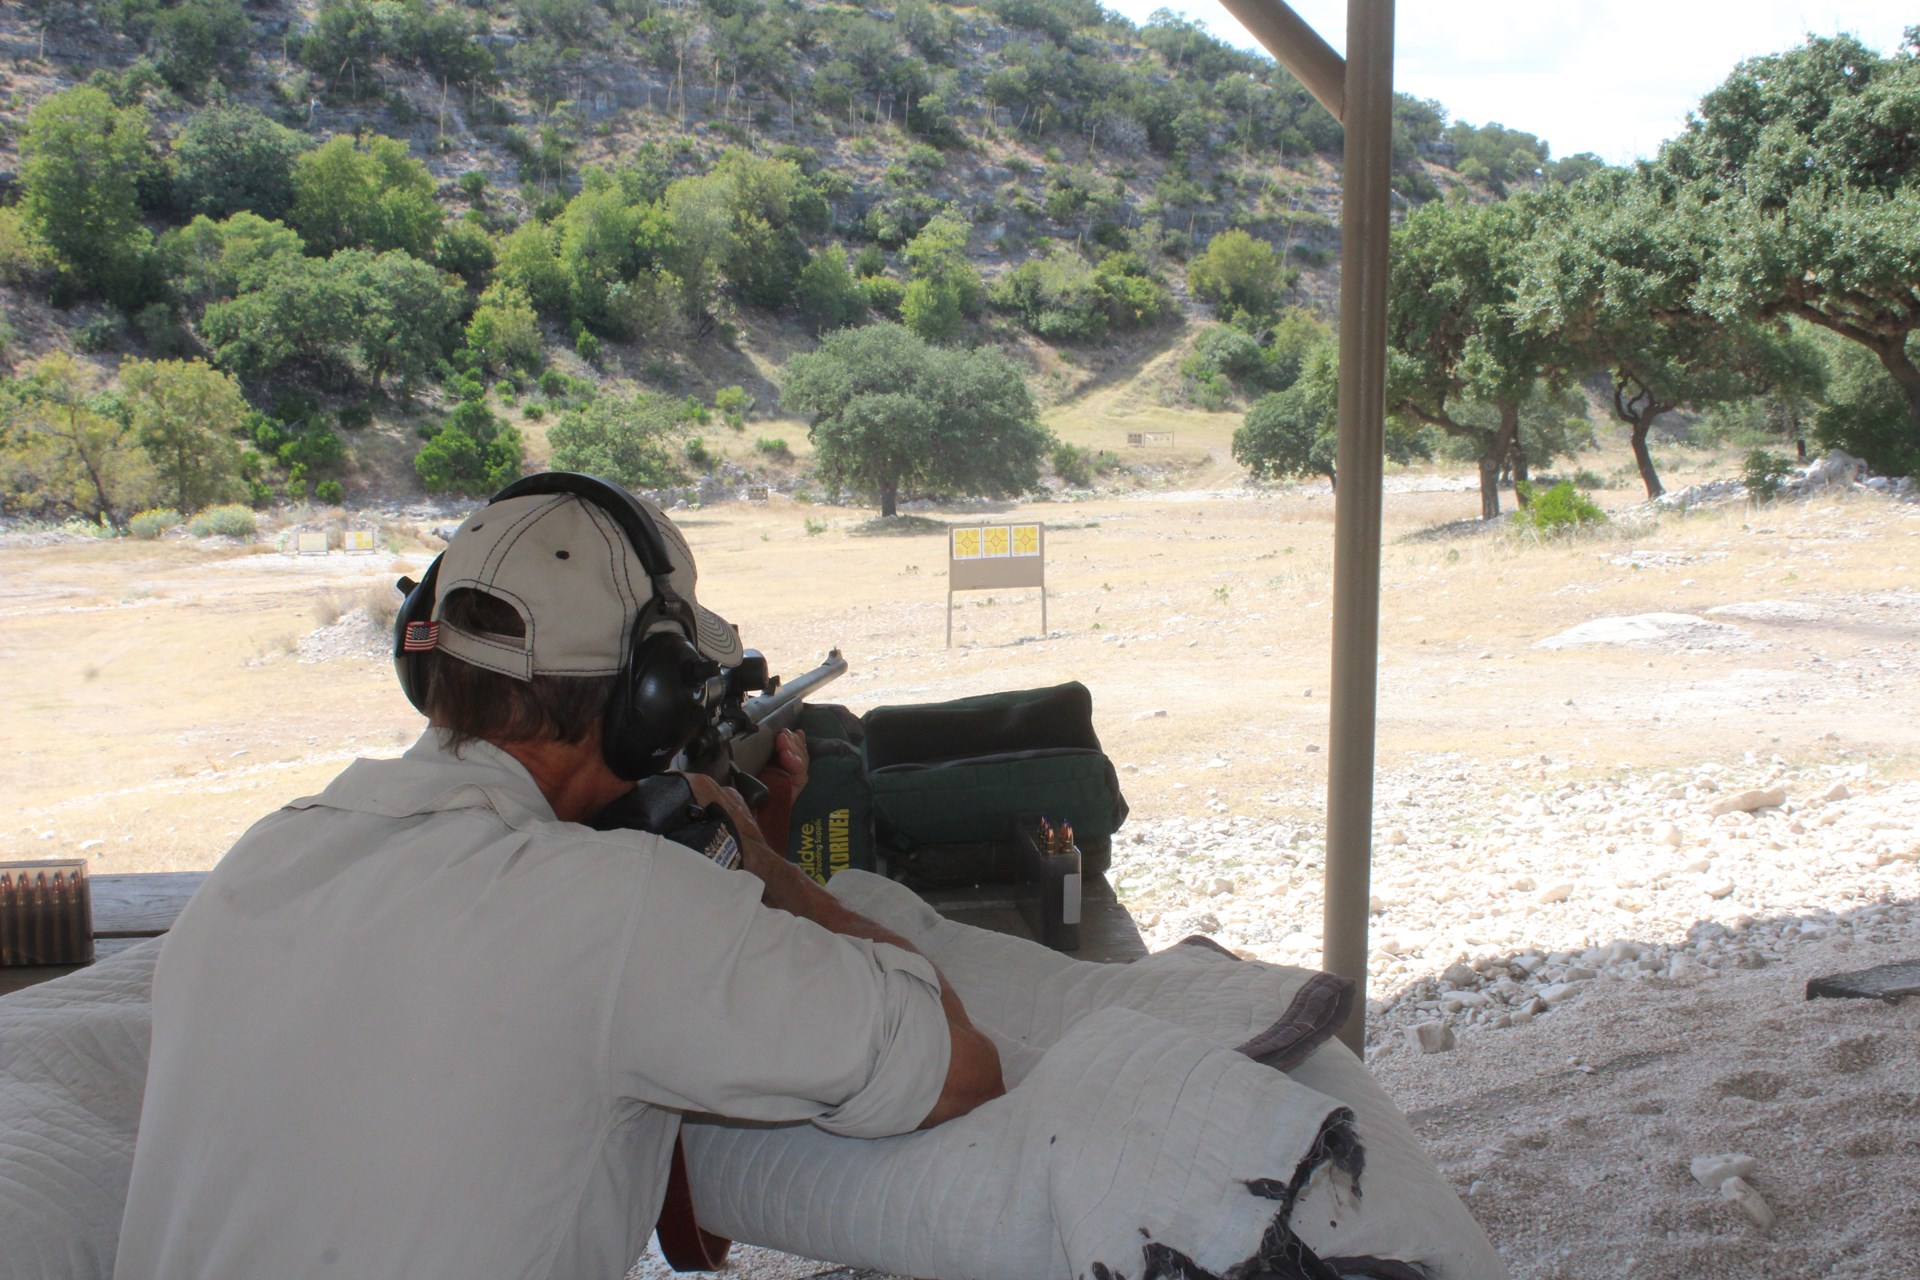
(82, 161)
(185, 413)
(472, 452)
(1457, 339)
(64, 452)
(504, 332)
(1295, 432)
(931, 308)
(1063, 297)
(1863, 411)
(700, 212)
(400, 312)
(230, 158)
(207, 260)
(194, 39)
(1801, 190)
(529, 258)
(607, 242)
(1285, 434)
(1238, 273)
(889, 411)
(828, 295)
(1613, 279)
(626, 439)
(938, 255)
(370, 195)
(739, 228)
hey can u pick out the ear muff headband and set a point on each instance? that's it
(660, 696)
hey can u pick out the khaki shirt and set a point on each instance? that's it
(417, 1027)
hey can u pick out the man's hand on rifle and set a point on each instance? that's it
(790, 753)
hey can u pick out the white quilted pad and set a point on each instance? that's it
(1137, 1138)
(73, 1064)
(1147, 1132)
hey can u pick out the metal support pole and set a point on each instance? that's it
(1364, 226)
(1297, 47)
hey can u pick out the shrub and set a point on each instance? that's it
(328, 491)
(150, 524)
(1762, 473)
(229, 521)
(772, 446)
(356, 415)
(587, 346)
(102, 333)
(1073, 465)
(1225, 352)
(535, 412)
(884, 294)
(698, 453)
(1561, 507)
(734, 405)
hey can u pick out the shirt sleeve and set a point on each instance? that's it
(728, 1007)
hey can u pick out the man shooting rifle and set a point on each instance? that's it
(430, 1022)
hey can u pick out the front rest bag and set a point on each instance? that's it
(949, 780)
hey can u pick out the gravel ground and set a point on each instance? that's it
(1581, 985)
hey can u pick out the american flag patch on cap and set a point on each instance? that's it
(420, 637)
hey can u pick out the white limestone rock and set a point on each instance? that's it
(1740, 1194)
(1713, 1169)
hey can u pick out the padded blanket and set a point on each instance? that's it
(73, 1064)
(1184, 1116)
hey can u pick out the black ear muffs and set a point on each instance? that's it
(660, 701)
(415, 620)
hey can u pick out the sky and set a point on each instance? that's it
(1614, 77)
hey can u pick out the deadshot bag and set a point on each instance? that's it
(831, 827)
(948, 780)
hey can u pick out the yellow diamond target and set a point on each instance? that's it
(1026, 539)
(997, 538)
(966, 544)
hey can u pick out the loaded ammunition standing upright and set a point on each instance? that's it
(83, 914)
(37, 919)
(8, 926)
(1066, 838)
(56, 952)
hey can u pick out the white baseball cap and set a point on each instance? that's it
(566, 566)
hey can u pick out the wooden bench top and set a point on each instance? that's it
(129, 907)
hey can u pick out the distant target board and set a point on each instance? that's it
(310, 544)
(357, 540)
(984, 557)
(1149, 439)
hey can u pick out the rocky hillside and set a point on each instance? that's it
(1060, 137)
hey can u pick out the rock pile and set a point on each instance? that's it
(1836, 472)
(1504, 892)
(355, 634)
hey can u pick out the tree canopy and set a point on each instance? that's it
(890, 412)
(1456, 336)
(185, 415)
(82, 160)
(1799, 183)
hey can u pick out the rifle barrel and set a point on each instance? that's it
(763, 707)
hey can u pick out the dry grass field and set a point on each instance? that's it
(160, 700)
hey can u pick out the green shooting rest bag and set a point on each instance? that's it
(948, 780)
(831, 825)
